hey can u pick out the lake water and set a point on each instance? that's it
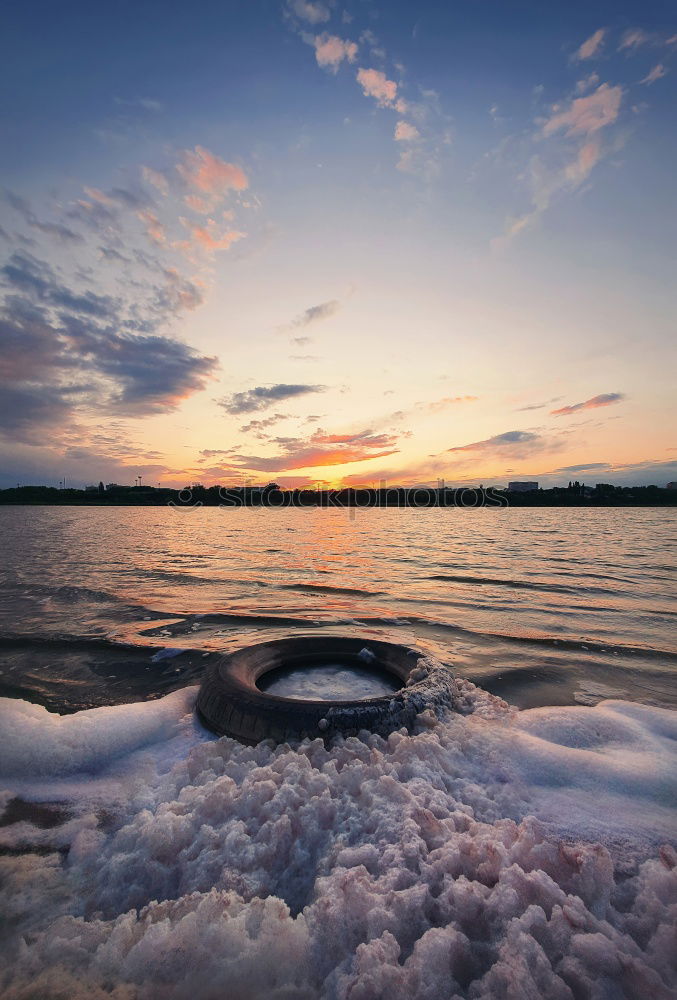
(542, 607)
(518, 846)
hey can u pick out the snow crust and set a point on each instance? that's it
(490, 854)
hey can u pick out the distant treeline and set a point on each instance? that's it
(574, 495)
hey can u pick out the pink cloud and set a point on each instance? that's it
(198, 204)
(405, 132)
(208, 173)
(604, 399)
(588, 156)
(330, 51)
(206, 237)
(586, 115)
(591, 45)
(375, 84)
(99, 196)
(154, 227)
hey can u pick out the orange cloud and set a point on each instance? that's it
(322, 450)
(208, 173)
(311, 458)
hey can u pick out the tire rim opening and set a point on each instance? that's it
(348, 679)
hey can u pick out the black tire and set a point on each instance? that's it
(229, 702)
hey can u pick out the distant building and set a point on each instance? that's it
(522, 487)
(91, 489)
(671, 486)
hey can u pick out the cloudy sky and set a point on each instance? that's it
(343, 243)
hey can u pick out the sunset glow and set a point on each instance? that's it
(299, 242)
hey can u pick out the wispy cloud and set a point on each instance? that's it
(154, 228)
(145, 103)
(261, 397)
(538, 406)
(591, 45)
(258, 427)
(604, 399)
(516, 444)
(587, 83)
(571, 146)
(584, 467)
(62, 233)
(656, 73)
(157, 178)
(439, 405)
(586, 115)
(314, 314)
(311, 12)
(633, 38)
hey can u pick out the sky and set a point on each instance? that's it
(326, 243)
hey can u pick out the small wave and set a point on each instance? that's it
(234, 618)
(326, 589)
(549, 641)
(70, 594)
(557, 588)
(173, 576)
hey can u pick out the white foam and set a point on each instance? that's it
(411, 867)
(331, 682)
(38, 743)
